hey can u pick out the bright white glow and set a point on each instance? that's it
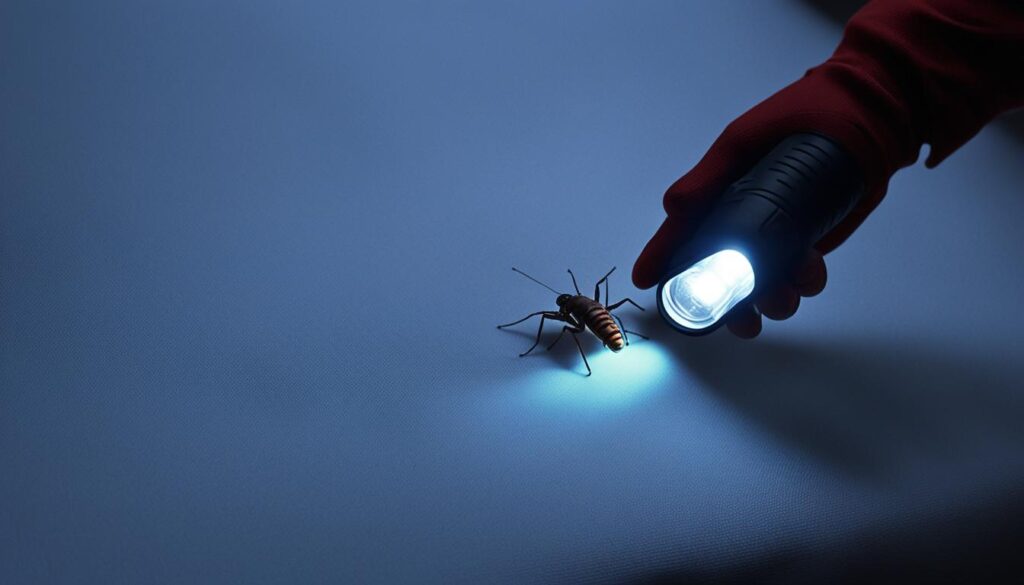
(620, 380)
(706, 288)
(698, 297)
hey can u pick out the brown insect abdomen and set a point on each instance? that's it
(604, 327)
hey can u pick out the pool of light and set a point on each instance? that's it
(619, 379)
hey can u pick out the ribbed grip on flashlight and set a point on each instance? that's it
(780, 208)
(771, 217)
(808, 178)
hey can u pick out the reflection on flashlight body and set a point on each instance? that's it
(699, 296)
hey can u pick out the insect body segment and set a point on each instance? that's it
(581, 313)
(598, 320)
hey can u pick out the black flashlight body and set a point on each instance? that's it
(798, 192)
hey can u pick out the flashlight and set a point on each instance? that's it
(758, 231)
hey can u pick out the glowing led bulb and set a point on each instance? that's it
(698, 297)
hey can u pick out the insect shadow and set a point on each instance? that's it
(580, 313)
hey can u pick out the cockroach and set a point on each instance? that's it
(581, 313)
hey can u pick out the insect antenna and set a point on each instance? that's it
(535, 280)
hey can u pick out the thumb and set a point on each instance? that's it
(687, 201)
(653, 260)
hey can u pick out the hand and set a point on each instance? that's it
(904, 74)
(745, 320)
(815, 103)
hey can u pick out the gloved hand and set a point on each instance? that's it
(905, 73)
(802, 106)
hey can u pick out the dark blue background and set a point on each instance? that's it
(252, 255)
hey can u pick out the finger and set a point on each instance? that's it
(729, 157)
(810, 279)
(653, 261)
(779, 303)
(688, 200)
(686, 206)
(745, 322)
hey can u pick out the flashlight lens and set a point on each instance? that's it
(698, 297)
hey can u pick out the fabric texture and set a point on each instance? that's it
(252, 254)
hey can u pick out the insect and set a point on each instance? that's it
(581, 313)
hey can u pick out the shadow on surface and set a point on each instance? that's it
(868, 408)
(978, 544)
(1013, 123)
(875, 409)
(838, 11)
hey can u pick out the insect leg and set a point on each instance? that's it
(576, 286)
(574, 327)
(540, 329)
(573, 324)
(597, 287)
(621, 328)
(552, 344)
(625, 331)
(523, 319)
(577, 340)
(614, 306)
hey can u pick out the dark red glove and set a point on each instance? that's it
(907, 72)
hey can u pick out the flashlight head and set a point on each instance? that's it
(766, 221)
(696, 299)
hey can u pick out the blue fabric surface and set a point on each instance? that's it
(252, 255)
